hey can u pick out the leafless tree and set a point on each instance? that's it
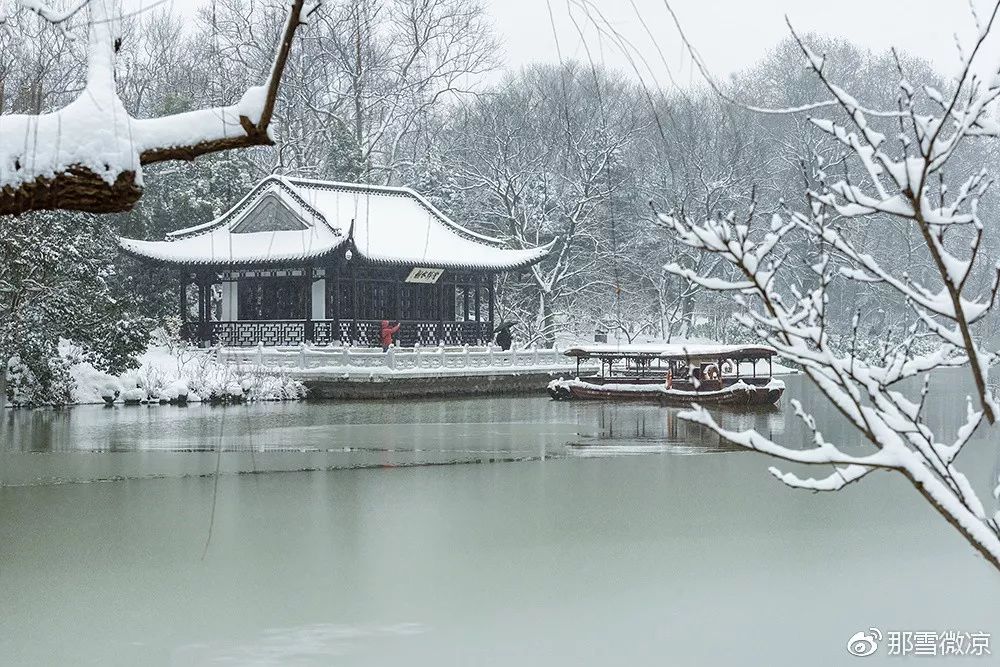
(542, 158)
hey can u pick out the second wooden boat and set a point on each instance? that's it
(674, 375)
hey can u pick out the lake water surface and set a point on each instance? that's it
(578, 534)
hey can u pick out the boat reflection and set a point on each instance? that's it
(622, 429)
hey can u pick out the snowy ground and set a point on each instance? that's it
(165, 373)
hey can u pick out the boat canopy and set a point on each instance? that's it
(676, 351)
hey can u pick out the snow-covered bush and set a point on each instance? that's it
(224, 383)
(39, 381)
(134, 395)
(178, 373)
(176, 392)
(56, 285)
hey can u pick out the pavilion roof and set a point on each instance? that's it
(287, 219)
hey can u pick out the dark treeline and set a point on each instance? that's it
(412, 93)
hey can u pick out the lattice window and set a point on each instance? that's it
(364, 333)
(427, 333)
(452, 333)
(323, 332)
(369, 333)
(344, 332)
(249, 334)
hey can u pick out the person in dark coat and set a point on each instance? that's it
(386, 334)
(504, 339)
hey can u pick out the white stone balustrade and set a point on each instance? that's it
(445, 360)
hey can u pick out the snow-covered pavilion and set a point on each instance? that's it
(303, 260)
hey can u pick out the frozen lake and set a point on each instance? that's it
(564, 547)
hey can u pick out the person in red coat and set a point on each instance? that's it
(387, 333)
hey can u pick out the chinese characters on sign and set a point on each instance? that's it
(422, 275)
(921, 643)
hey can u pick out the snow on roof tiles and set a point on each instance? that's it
(383, 224)
(669, 350)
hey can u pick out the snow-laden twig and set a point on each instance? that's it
(89, 155)
(882, 181)
(47, 12)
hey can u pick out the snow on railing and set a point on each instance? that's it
(441, 358)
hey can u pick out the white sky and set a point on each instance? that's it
(730, 34)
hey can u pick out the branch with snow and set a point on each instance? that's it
(89, 155)
(53, 16)
(902, 180)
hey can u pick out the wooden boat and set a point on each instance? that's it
(674, 375)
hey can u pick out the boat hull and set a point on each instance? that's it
(736, 395)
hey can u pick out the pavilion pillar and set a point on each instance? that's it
(476, 304)
(230, 298)
(309, 287)
(208, 308)
(204, 335)
(492, 297)
(182, 293)
(354, 303)
(182, 285)
(490, 327)
(209, 282)
(441, 293)
(335, 303)
(201, 301)
(397, 308)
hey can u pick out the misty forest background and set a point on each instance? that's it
(414, 92)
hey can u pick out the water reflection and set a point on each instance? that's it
(91, 443)
(632, 428)
(481, 425)
(524, 425)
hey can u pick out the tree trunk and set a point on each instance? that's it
(545, 318)
(687, 315)
(661, 307)
(358, 83)
(3, 386)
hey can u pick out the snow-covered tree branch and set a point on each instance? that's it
(893, 169)
(88, 156)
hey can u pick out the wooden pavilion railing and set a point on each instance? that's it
(360, 333)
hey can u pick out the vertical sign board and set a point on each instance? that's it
(422, 275)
